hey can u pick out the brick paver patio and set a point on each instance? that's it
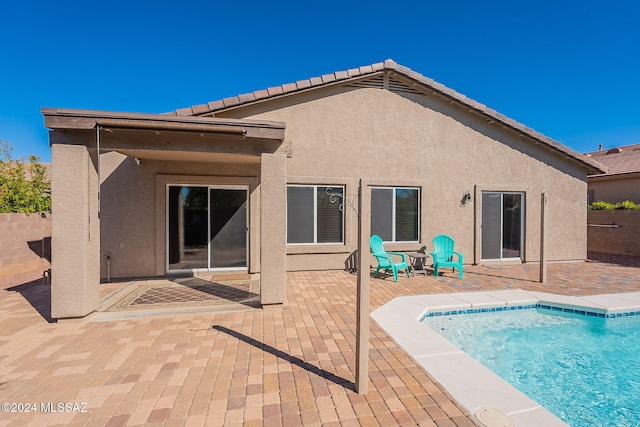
(289, 365)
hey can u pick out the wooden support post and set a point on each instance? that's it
(362, 311)
(543, 238)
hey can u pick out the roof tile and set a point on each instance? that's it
(367, 69)
(475, 104)
(391, 64)
(228, 102)
(303, 84)
(459, 97)
(499, 116)
(378, 66)
(439, 86)
(490, 112)
(402, 69)
(341, 75)
(276, 90)
(315, 81)
(184, 112)
(516, 125)
(200, 109)
(427, 81)
(289, 87)
(260, 94)
(246, 97)
(414, 75)
(328, 78)
(353, 72)
(216, 105)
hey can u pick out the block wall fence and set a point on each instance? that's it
(614, 232)
(25, 242)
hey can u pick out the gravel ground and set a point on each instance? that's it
(30, 278)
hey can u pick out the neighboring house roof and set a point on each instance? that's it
(416, 83)
(619, 160)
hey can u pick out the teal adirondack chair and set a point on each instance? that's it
(385, 262)
(443, 254)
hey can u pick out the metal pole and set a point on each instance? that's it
(543, 238)
(362, 311)
(98, 161)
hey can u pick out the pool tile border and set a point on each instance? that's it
(470, 383)
(530, 306)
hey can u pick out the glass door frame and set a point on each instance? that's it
(209, 187)
(522, 195)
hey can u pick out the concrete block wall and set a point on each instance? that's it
(621, 240)
(25, 242)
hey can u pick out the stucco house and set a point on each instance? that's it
(245, 184)
(622, 181)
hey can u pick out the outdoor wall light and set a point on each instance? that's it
(138, 161)
(465, 198)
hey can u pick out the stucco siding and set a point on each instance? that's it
(133, 211)
(615, 189)
(75, 245)
(339, 135)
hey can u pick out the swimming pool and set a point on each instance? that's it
(474, 386)
(584, 369)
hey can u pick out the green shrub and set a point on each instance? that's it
(601, 206)
(627, 205)
(17, 195)
(606, 206)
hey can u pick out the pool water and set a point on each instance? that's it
(583, 369)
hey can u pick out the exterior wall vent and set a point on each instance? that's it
(378, 82)
(398, 86)
(374, 83)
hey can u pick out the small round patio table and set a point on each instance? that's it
(418, 261)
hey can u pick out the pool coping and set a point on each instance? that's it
(470, 383)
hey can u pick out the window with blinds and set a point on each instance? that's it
(312, 216)
(395, 214)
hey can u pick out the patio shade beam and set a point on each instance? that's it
(168, 126)
(65, 120)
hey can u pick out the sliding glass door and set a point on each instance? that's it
(206, 228)
(502, 225)
(228, 228)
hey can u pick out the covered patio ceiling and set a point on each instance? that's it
(166, 137)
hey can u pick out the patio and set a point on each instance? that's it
(288, 365)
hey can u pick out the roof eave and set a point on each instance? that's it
(612, 176)
(73, 119)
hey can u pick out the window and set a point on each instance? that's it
(311, 215)
(395, 214)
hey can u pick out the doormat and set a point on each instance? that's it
(189, 293)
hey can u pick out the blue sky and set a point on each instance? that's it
(568, 69)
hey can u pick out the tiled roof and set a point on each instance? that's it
(378, 68)
(620, 159)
